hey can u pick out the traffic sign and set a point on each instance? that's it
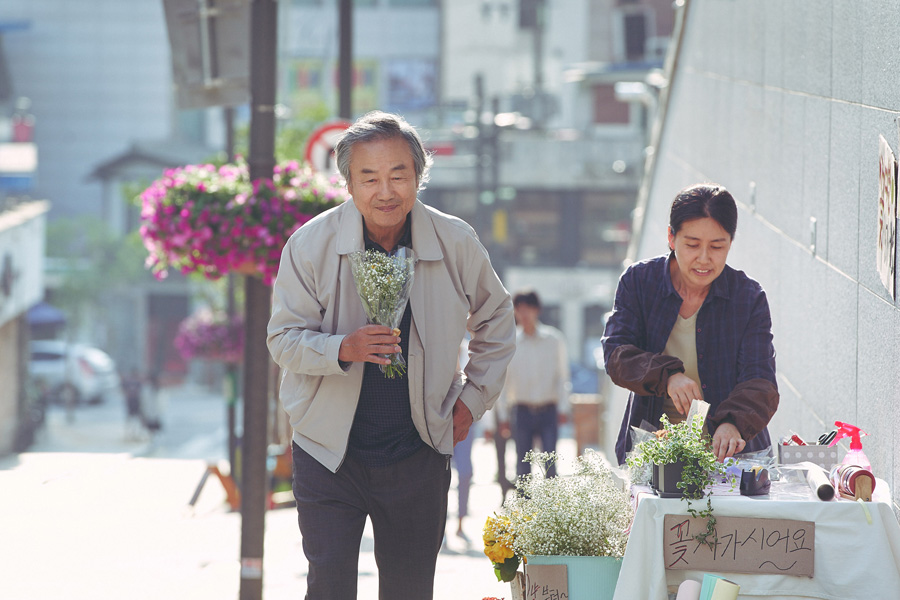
(320, 146)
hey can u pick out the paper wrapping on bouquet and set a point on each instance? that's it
(383, 283)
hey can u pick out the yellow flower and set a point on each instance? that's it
(497, 542)
(497, 552)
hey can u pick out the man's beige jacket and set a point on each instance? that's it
(315, 305)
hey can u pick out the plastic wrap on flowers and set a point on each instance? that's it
(213, 220)
(210, 335)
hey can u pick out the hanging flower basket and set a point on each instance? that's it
(209, 335)
(214, 220)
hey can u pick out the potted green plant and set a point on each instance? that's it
(580, 520)
(682, 457)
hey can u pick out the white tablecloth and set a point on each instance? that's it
(853, 560)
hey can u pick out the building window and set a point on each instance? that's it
(595, 320)
(551, 314)
(535, 224)
(635, 36)
(528, 14)
(459, 203)
(606, 108)
(605, 227)
(412, 84)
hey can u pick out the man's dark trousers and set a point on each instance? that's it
(407, 503)
(530, 422)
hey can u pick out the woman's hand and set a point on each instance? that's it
(727, 441)
(682, 390)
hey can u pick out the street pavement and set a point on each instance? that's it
(88, 513)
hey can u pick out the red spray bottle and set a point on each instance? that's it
(855, 456)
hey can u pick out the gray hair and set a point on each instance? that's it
(378, 125)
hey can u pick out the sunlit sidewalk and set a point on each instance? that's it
(90, 515)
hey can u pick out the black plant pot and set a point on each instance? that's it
(667, 478)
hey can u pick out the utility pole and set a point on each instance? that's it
(263, 57)
(480, 144)
(540, 23)
(345, 59)
(231, 369)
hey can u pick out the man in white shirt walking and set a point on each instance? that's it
(537, 382)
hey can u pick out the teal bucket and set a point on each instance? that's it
(589, 577)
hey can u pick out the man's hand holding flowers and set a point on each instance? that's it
(370, 344)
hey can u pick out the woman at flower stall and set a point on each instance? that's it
(687, 326)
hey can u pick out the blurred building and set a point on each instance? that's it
(396, 55)
(22, 227)
(98, 74)
(98, 78)
(542, 156)
(517, 100)
(552, 102)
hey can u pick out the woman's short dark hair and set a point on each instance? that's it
(704, 200)
(378, 125)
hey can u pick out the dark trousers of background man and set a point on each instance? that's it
(407, 503)
(500, 446)
(530, 423)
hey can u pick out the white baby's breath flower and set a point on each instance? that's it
(383, 283)
(583, 514)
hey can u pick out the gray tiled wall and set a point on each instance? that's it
(791, 97)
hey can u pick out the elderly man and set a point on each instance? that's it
(365, 445)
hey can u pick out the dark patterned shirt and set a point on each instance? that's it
(734, 336)
(383, 431)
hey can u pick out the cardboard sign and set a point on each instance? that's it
(546, 582)
(744, 545)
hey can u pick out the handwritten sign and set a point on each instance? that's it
(546, 582)
(743, 545)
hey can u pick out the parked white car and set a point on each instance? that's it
(73, 373)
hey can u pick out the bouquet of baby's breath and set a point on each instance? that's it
(582, 514)
(383, 282)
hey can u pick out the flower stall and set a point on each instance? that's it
(579, 520)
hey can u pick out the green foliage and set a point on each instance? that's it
(687, 443)
(291, 135)
(92, 261)
(506, 571)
